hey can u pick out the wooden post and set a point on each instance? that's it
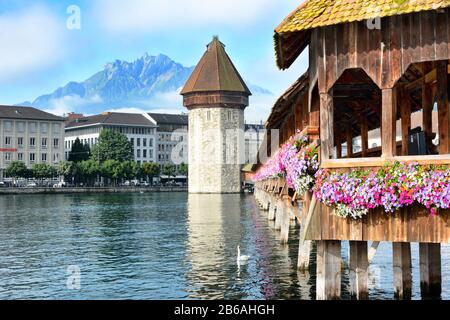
(358, 270)
(339, 148)
(278, 214)
(305, 247)
(285, 219)
(364, 135)
(349, 137)
(401, 252)
(427, 106)
(328, 277)
(405, 114)
(388, 115)
(272, 208)
(430, 270)
(326, 125)
(442, 101)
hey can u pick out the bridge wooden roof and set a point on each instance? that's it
(293, 34)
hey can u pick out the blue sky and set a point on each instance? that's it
(39, 53)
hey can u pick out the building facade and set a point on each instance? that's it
(216, 97)
(31, 136)
(254, 135)
(172, 135)
(139, 129)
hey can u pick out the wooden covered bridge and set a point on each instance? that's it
(371, 65)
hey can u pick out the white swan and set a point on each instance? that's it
(243, 258)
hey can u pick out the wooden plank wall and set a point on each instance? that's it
(384, 54)
(413, 224)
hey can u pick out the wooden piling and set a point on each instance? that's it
(272, 208)
(278, 214)
(401, 252)
(328, 285)
(358, 269)
(304, 256)
(285, 219)
(430, 270)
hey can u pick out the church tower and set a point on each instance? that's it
(215, 96)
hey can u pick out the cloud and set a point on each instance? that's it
(31, 40)
(156, 15)
(72, 103)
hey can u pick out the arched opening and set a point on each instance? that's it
(356, 115)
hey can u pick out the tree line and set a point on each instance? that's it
(112, 158)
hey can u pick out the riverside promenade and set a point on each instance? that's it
(49, 190)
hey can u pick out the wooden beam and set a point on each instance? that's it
(430, 270)
(328, 278)
(358, 269)
(379, 162)
(326, 125)
(401, 252)
(443, 112)
(364, 135)
(388, 122)
(405, 114)
(349, 139)
(427, 111)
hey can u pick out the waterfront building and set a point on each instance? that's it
(254, 135)
(139, 129)
(172, 131)
(216, 97)
(31, 136)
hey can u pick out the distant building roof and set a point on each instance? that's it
(250, 126)
(163, 118)
(215, 72)
(26, 113)
(112, 118)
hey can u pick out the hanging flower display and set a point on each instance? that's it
(391, 188)
(296, 161)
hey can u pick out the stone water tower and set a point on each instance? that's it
(216, 97)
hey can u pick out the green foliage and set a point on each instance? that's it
(151, 169)
(79, 152)
(112, 169)
(17, 169)
(169, 170)
(65, 168)
(183, 169)
(43, 170)
(112, 145)
(89, 168)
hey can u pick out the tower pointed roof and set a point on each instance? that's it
(215, 72)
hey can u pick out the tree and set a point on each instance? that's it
(79, 152)
(169, 170)
(183, 170)
(43, 170)
(112, 169)
(112, 145)
(151, 170)
(65, 169)
(17, 169)
(89, 170)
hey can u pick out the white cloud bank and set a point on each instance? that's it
(71, 103)
(139, 15)
(30, 40)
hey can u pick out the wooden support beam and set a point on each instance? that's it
(364, 135)
(339, 149)
(272, 208)
(278, 214)
(358, 269)
(305, 246)
(326, 125)
(285, 219)
(328, 286)
(405, 114)
(388, 122)
(427, 111)
(401, 252)
(373, 250)
(430, 270)
(443, 112)
(349, 139)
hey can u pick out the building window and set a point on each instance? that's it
(20, 156)
(20, 126)
(138, 142)
(56, 128)
(144, 142)
(32, 142)
(8, 156)
(44, 142)
(8, 126)
(144, 153)
(32, 157)
(229, 115)
(44, 157)
(132, 141)
(32, 126)
(56, 143)
(44, 127)
(150, 153)
(208, 115)
(139, 153)
(20, 142)
(8, 141)
(55, 157)
(150, 142)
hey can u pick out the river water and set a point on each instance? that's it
(160, 246)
